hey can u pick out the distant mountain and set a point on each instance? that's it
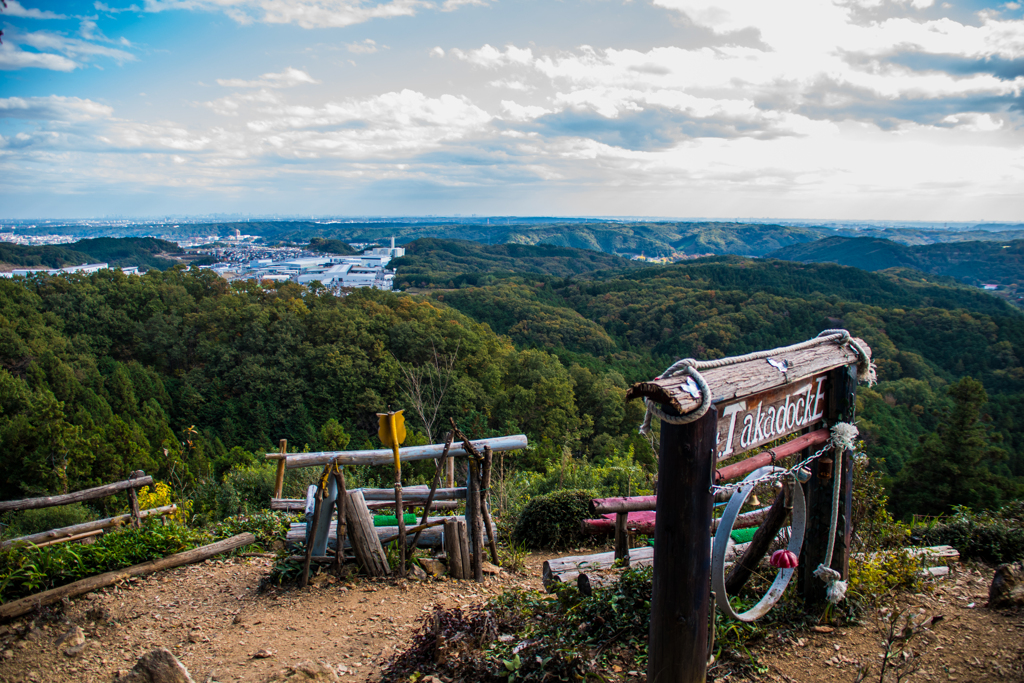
(432, 262)
(975, 262)
(141, 252)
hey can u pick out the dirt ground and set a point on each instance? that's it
(212, 617)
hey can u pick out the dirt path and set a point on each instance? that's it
(212, 617)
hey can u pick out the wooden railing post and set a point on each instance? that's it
(621, 536)
(279, 482)
(133, 499)
(839, 408)
(680, 595)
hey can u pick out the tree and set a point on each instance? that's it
(952, 466)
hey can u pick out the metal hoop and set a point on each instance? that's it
(721, 544)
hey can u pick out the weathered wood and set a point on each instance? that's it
(133, 499)
(434, 483)
(311, 536)
(607, 526)
(774, 519)
(298, 504)
(745, 467)
(385, 457)
(680, 594)
(476, 521)
(64, 533)
(408, 506)
(288, 504)
(464, 554)
(416, 530)
(341, 529)
(32, 602)
(69, 539)
(76, 496)
(452, 548)
(842, 387)
(604, 506)
(748, 378)
(364, 539)
(485, 510)
(279, 478)
(297, 533)
(414, 494)
(621, 537)
(400, 516)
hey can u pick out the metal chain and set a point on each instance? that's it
(779, 474)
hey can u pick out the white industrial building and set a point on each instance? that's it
(85, 268)
(368, 269)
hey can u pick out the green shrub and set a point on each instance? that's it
(553, 521)
(989, 537)
(254, 486)
(268, 526)
(34, 521)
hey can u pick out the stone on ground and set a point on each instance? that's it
(157, 666)
(304, 671)
(1007, 589)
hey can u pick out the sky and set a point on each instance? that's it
(844, 109)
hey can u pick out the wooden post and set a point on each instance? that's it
(279, 481)
(365, 542)
(622, 537)
(681, 593)
(342, 503)
(759, 545)
(453, 548)
(433, 486)
(476, 521)
(839, 408)
(133, 499)
(467, 570)
(400, 514)
(485, 494)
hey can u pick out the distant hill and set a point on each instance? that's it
(141, 252)
(450, 263)
(975, 262)
(331, 246)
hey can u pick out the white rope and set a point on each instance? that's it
(841, 440)
(692, 367)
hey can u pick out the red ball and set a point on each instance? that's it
(783, 559)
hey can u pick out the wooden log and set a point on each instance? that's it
(774, 519)
(133, 500)
(485, 508)
(430, 538)
(76, 496)
(453, 548)
(745, 467)
(747, 379)
(64, 533)
(680, 597)
(68, 539)
(32, 602)
(413, 494)
(467, 569)
(386, 457)
(364, 538)
(842, 398)
(341, 528)
(605, 506)
(418, 529)
(288, 504)
(436, 505)
(621, 537)
(434, 484)
(476, 521)
(312, 535)
(279, 478)
(605, 526)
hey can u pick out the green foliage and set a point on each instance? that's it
(29, 522)
(268, 526)
(553, 521)
(993, 537)
(24, 571)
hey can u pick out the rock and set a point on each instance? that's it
(1007, 589)
(157, 666)
(489, 568)
(75, 650)
(263, 654)
(99, 614)
(417, 573)
(74, 637)
(304, 671)
(434, 567)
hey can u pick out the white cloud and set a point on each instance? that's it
(16, 9)
(232, 104)
(103, 7)
(71, 47)
(286, 79)
(490, 57)
(366, 47)
(304, 13)
(451, 5)
(437, 52)
(13, 58)
(53, 108)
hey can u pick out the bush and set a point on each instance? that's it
(254, 486)
(268, 526)
(993, 538)
(553, 521)
(34, 521)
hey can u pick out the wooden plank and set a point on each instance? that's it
(476, 521)
(452, 548)
(68, 539)
(383, 456)
(76, 496)
(753, 421)
(416, 494)
(744, 467)
(738, 381)
(64, 533)
(33, 602)
(363, 536)
(279, 476)
(677, 650)
(464, 554)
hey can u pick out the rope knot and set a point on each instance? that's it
(836, 589)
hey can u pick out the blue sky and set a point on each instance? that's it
(862, 109)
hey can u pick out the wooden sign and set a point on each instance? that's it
(756, 420)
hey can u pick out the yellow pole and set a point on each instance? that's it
(399, 511)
